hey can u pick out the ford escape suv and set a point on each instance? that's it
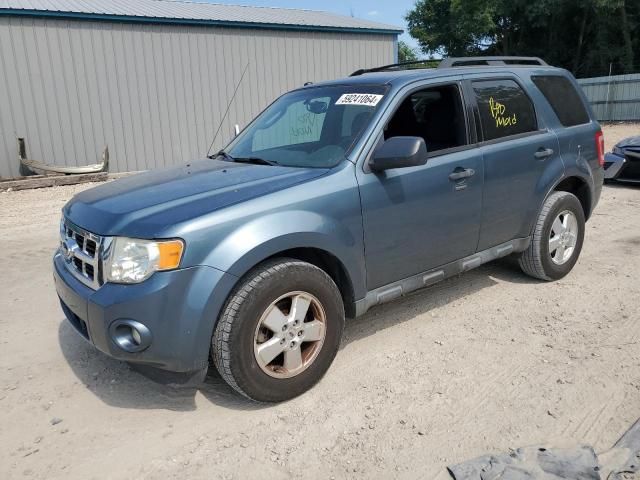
(339, 196)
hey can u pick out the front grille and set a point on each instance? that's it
(631, 169)
(90, 248)
(81, 252)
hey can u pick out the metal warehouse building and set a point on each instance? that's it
(152, 78)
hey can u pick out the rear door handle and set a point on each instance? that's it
(543, 153)
(461, 173)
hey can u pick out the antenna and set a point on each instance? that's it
(224, 117)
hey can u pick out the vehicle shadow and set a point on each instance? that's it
(508, 270)
(621, 185)
(452, 290)
(121, 385)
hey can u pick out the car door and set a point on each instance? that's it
(516, 148)
(422, 217)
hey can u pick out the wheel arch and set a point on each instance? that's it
(574, 184)
(310, 252)
(331, 265)
(578, 187)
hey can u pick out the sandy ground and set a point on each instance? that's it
(479, 363)
(615, 132)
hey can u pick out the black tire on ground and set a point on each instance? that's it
(234, 335)
(536, 261)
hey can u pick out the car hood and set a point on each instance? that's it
(629, 142)
(144, 205)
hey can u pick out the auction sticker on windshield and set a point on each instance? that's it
(366, 99)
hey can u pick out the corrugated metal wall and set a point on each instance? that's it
(615, 98)
(154, 93)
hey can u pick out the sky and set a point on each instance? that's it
(390, 12)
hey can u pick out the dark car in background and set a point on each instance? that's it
(623, 162)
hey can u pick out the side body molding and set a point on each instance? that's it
(403, 287)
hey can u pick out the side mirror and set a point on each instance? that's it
(399, 152)
(236, 130)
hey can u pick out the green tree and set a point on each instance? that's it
(584, 36)
(406, 53)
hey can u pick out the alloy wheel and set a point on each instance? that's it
(290, 334)
(563, 237)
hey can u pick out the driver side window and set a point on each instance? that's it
(299, 124)
(435, 114)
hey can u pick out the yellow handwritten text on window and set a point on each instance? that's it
(499, 114)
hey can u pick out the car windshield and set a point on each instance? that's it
(313, 127)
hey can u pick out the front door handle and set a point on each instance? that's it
(461, 174)
(543, 153)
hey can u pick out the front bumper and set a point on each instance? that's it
(180, 309)
(625, 169)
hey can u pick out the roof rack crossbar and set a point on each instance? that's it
(491, 61)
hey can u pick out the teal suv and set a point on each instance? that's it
(339, 196)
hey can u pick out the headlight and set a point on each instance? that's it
(618, 151)
(129, 260)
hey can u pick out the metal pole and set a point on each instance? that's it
(606, 107)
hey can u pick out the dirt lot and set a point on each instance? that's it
(613, 133)
(477, 364)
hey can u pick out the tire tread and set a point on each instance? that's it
(531, 259)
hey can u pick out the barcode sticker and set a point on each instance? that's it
(367, 99)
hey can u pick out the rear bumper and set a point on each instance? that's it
(179, 308)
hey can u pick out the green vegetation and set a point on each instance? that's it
(406, 53)
(584, 36)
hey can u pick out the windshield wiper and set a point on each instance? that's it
(256, 160)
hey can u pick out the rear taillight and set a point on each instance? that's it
(600, 147)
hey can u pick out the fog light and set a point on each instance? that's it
(130, 336)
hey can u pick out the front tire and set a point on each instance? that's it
(557, 238)
(280, 330)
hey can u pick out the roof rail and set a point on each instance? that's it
(492, 61)
(457, 62)
(393, 66)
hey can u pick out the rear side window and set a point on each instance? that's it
(563, 98)
(505, 109)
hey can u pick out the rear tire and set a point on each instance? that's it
(557, 238)
(280, 330)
